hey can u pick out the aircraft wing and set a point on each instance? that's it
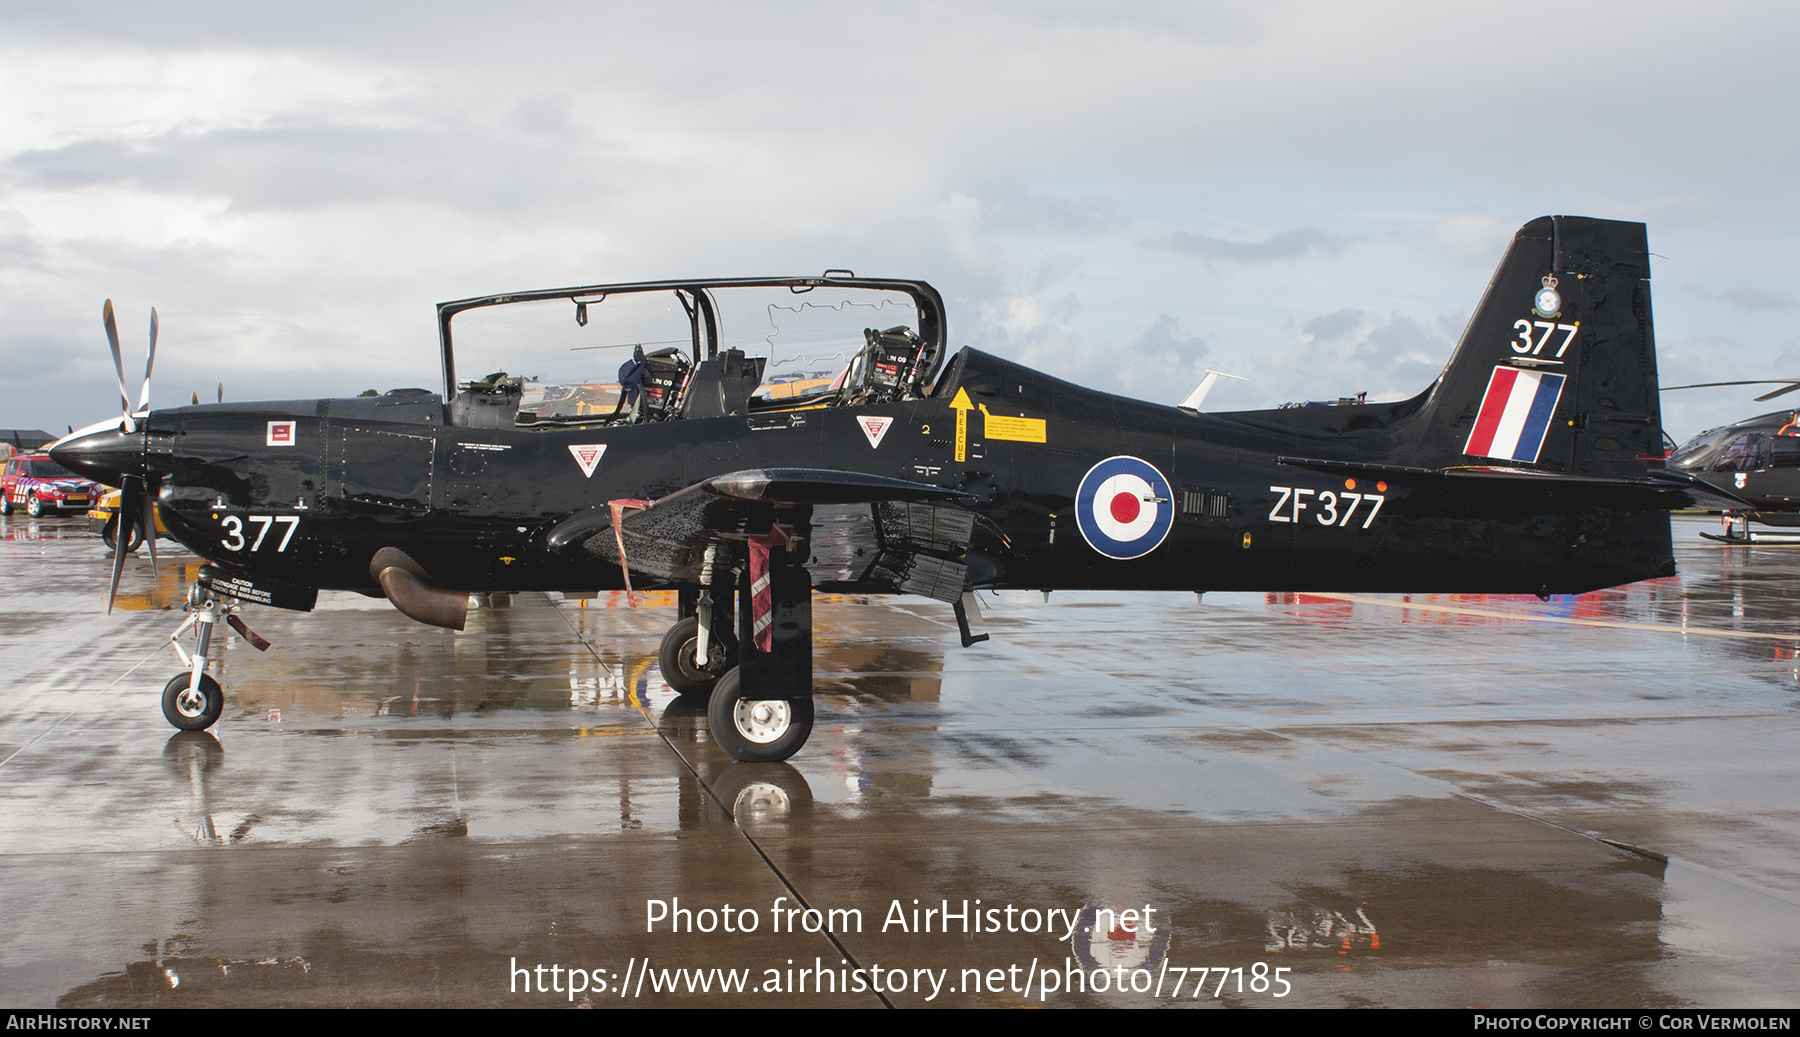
(1660, 489)
(867, 529)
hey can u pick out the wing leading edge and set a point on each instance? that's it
(866, 531)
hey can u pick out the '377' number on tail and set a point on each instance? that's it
(1527, 327)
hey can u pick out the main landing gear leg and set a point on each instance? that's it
(700, 647)
(192, 700)
(762, 708)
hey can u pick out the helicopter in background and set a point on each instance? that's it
(1757, 460)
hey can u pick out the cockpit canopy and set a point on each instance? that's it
(674, 350)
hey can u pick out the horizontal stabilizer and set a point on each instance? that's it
(1658, 489)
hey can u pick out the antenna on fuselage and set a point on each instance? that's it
(1212, 378)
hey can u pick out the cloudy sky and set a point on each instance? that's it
(1312, 195)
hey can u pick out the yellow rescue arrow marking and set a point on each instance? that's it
(1020, 430)
(961, 405)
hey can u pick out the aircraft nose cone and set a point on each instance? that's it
(104, 453)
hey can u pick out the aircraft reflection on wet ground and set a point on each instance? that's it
(1441, 800)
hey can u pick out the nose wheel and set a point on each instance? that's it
(192, 708)
(192, 700)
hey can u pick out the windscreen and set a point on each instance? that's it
(567, 352)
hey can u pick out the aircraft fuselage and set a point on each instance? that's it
(327, 483)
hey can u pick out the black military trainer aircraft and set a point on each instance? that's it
(702, 467)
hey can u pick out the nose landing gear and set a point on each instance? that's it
(193, 700)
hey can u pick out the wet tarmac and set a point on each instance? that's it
(1439, 801)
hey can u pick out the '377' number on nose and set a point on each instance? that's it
(235, 540)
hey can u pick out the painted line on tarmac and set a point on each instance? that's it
(1526, 617)
(656, 728)
(81, 701)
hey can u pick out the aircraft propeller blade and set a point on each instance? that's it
(112, 339)
(149, 525)
(130, 495)
(149, 362)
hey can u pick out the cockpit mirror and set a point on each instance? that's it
(581, 305)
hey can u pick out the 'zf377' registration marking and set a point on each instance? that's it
(1331, 507)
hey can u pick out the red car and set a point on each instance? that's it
(40, 486)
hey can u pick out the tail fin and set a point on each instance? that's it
(1557, 368)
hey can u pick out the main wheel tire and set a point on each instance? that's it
(6, 505)
(34, 507)
(676, 657)
(757, 730)
(192, 711)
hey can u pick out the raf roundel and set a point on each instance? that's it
(1124, 507)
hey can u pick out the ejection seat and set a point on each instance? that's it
(666, 374)
(891, 366)
(491, 402)
(722, 385)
